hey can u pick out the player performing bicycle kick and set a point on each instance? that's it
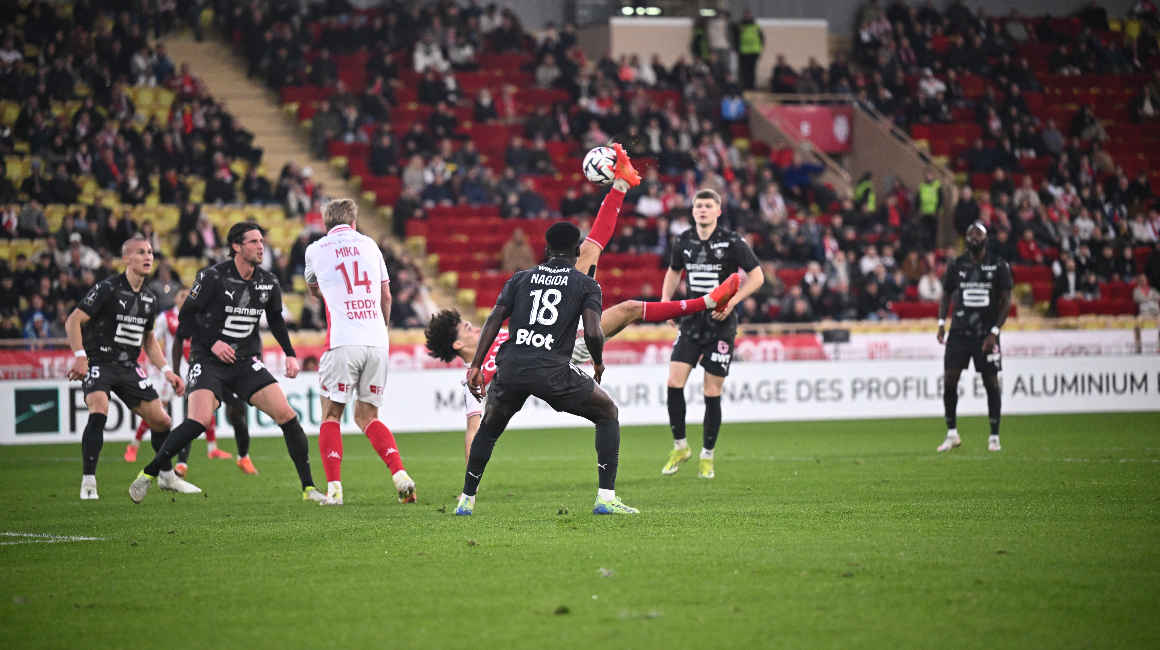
(449, 336)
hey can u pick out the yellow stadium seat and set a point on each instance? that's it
(55, 212)
(299, 284)
(9, 111)
(293, 302)
(164, 97)
(24, 247)
(146, 96)
(5, 250)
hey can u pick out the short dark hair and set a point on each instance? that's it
(238, 232)
(708, 194)
(442, 333)
(562, 237)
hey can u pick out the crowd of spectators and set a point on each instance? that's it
(685, 123)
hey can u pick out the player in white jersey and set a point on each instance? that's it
(347, 271)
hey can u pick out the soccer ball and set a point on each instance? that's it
(600, 165)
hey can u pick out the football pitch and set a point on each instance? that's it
(820, 534)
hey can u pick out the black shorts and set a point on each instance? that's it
(563, 388)
(243, 377)
(715, 354)
(231, 399)
(961, 349)
(130, 383)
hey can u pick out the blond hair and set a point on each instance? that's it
(339, 212)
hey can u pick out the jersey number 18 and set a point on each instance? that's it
(547, 313)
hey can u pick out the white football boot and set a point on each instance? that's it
(993, 444)
(171, 482)
(89, 487)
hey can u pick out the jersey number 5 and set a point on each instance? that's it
(365, 281)
(129, 334)
(976, 298)
(546, 313)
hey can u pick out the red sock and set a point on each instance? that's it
(211, 431)
(384, 443)
(141, 429)
(330, 445)
(605, 224)
(655, 312)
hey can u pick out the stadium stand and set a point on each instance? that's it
(438, 114)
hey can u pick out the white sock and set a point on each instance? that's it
(994, 436)
(166, 474)
(470, 499)
(88, 479)
(334, 488)
(211, 447)
(953, 433)
(606, 495)
(709, 302)
(681, 443)
(135, 443)
(706, 454)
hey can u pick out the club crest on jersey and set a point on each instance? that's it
(263, 297)
(720, 253)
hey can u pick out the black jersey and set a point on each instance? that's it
(976, 289)
(119, 318)
(546, 302)
(707, 263)
(229, 308)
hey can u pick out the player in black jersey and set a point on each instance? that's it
(545, 304)
(107, 332)
(707, 254)
(221, 315)
(979, 284)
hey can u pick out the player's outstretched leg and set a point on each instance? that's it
(135, 444)
(994, 408)
(599, 408)
(385, 446)
(950, 406)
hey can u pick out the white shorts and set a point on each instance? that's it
(580, 353)
(354, 372)
(164, 390)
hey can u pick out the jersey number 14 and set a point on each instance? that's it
(364, 281)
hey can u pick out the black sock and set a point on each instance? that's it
(481, 448)
(994, 405)
(712, 421)
(299, 450)
(237, 419)
(157, 439)
(677, 412)
(185, 433)
(183, 455)
(607, 452)
(92, 440)
(951, 405)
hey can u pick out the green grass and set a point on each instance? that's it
(830, 535)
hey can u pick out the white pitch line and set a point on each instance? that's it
(40, 538)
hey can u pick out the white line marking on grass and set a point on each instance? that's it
(38, 538)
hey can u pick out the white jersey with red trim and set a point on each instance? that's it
(473, 407)
(349, 269)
